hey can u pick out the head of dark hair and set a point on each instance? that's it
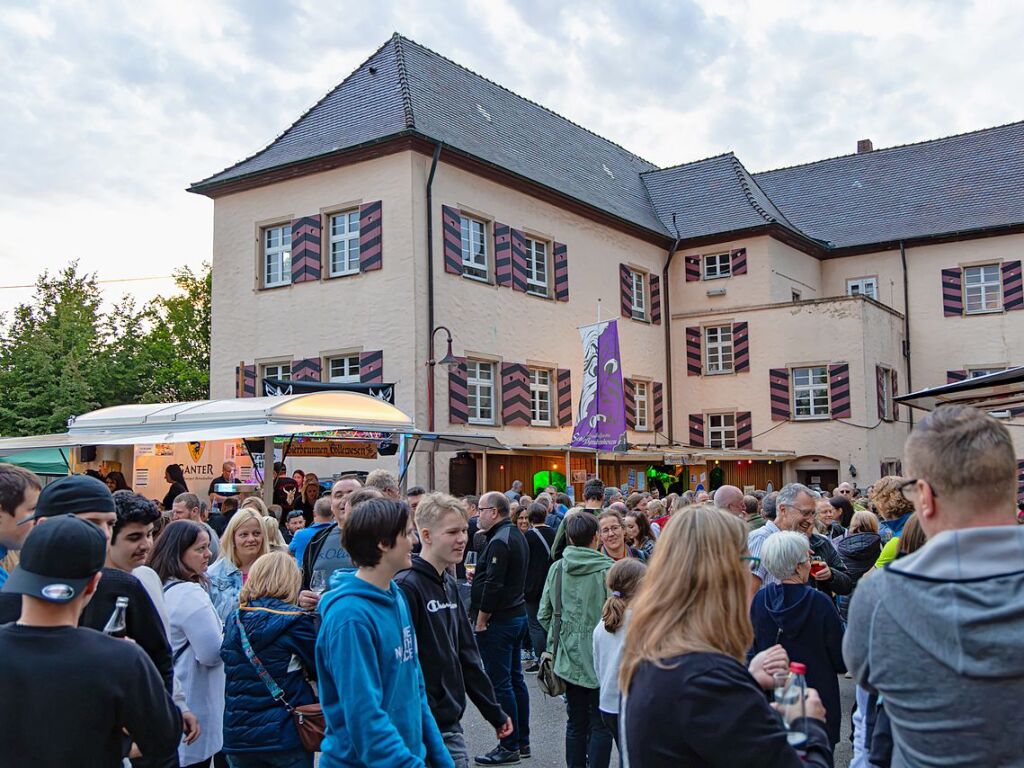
(581, 528)
(174, 540)
(563, 499)
(280, 466)
(229, 506)
(295, 513)
(593, 490)
(768, 505)
(190, 500)
(370, 524)
(538, 513)
(750, 505)
(14, 481)
(416, 490)
(643, 526)
(845, 509)
(175, 473)
(758, 494)
(119, 482)
(132, 508)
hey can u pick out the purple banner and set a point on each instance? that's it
(601, 416)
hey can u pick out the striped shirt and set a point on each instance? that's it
(755, 542)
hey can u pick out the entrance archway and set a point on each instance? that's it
(820, 473)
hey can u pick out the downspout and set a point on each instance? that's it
(906, 326)
(668, 333)
(430, 304)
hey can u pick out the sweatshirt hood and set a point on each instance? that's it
(789, 605)
(347, 584)
(962, 598)
(580, 561)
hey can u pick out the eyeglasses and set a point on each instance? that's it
(755, 562)
(805, 512)
(846, 493)
(484, 509)
(612, 529)
(909, 488)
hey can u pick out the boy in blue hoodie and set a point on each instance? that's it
(371, 685)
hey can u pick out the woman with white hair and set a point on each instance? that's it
(801, 619)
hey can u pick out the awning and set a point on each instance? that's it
(994, 392)
(42, 461)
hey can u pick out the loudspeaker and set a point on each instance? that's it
(462, 475)
(87, 453)
(387, 448)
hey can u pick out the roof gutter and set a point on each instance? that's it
(667, 313)
(430, 298)
(906, 326)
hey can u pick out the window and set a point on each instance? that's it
(982, 289)
(536, 267)
(718, 343)
(721, 429)
(277, 256)
(892, 467)
(343, 369)
(540, 397)
(480, 386)
(863, 286)
(976, 372)
(810, 392)
(474, 248)
(794, 294)
(639, 296)
(344, 243)
(717, 265)
(641, 401)
(887, 394)
(281, 371)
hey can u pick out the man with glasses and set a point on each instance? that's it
(937, 634)
(795, 512)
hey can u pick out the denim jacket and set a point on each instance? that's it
(225, 586)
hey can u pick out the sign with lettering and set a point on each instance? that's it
(333, 448)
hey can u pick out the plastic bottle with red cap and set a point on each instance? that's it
(793, 703)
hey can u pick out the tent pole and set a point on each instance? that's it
(268, 470)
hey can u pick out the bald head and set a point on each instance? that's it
(729, 498)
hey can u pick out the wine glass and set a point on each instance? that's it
(470, 566)
(318, 582)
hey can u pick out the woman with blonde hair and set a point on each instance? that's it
(311, 491)
(259, 728)
(241, 545)
(272, 535)
(688, 700)
(255, 502)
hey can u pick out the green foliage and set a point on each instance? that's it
(61, 356)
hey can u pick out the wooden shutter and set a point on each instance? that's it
(694, 363)
(1013, 291)
(626, 290)
(306, 249)
(245, 381)
(515, 395)
(952, 292)
(520, 271)
(502, 255)
(952, 377)
(306, 370)
(738, 259)
(371, 367)
(659, 406)
(740, 347)
(451, 219)
(839, 390)
(744, 430)
(655, 299)
(561, 266)
(564, 397)
(895, 391)
(692, 269)
(697, 430)
(778, 387)
(458, 392)
(371, 229)
(880, 374)
(629, 400)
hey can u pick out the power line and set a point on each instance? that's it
(104, 282)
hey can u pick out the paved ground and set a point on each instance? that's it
(547, 726)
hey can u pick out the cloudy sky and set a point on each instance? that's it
(110, 109)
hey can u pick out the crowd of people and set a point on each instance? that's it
(357, 623)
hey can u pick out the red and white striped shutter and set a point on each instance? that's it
(952, 292)
(697, 430)
(503, 255)
(458, 392)
(520, 270)
(451, 219)
(694, 362)
(692, 264)
(1013, 290)
(371, 230)
(371, 367)
(744, 430)
(880, 374)
(629, 400)
(564, 397)
(895, 391)
(515, 395)
(245, 378)
(741, 347)
(625, 290)
(561, 264)
(659, 406)
(738, 259)
(839, 391)
(655, 299)
(778, 388)
(306, 238)
(952, 377)
(306, 370)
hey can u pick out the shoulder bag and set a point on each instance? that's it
(309, 718)
(549, 682)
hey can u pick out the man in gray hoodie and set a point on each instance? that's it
(938, 634)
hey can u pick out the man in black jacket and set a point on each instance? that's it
(447, 649)
(500, 609)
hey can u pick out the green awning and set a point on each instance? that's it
(43, 461)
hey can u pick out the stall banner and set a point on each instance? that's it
(200, 462)
(331, 448)
(601, 416)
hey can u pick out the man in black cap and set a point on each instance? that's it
(69, 695)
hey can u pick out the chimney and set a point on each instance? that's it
(864, 145)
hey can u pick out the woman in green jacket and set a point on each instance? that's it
(580, 579)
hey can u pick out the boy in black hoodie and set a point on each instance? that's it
(447, 648)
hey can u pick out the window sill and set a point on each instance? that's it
(275, 286)
(643, 320)
(719, 373)
(973, 312)
(812, 418)
(477, 278)
(336, 275)
(716, 277)
(480, 423)
(537, 294)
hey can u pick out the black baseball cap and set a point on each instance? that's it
(73, 495)
(58, 560)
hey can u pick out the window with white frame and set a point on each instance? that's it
(639, 308)
(474, 248)
(721, 430)
(810, 392)
(343, 369)
(536, 267)
(982, 288)
(281, 371)
(718, 346)
(641, 401)
(717, 265)
(277, 256)
(344, 243)
(975, 373)
(480, 388)
(863, 286)
(887, 394)
(540, 397)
